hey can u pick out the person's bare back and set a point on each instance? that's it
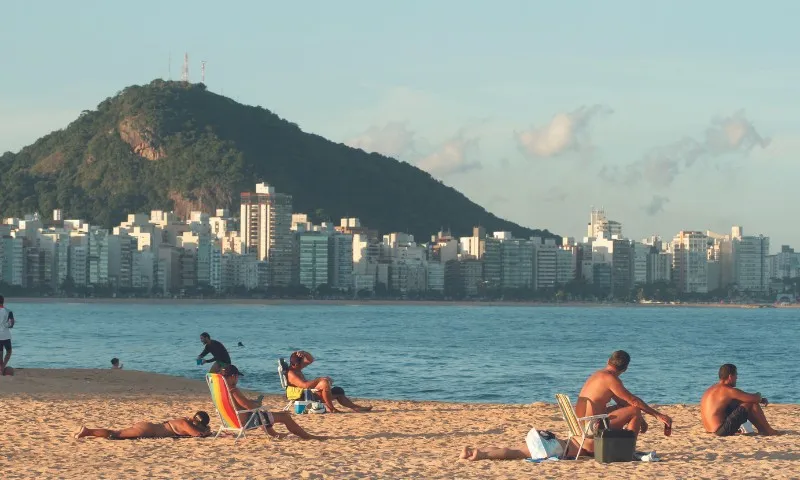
(724, 408)
(595, 394)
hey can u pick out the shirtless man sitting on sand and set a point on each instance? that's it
(724, 408)
(197, 426)
(324, 385)
(603, 386)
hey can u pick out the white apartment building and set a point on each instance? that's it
(601, 227)
(750, 269)
(690, 261)
(266, 221)
(14, 261)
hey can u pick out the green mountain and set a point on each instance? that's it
(172, 145)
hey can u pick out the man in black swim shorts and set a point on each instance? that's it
(724, 408)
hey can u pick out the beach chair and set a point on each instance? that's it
(578, 427)
(226, 408)
(292, 393)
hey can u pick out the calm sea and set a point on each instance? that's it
(460, 353)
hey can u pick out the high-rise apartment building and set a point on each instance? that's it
(750, 269)
(266, 221)
(690, 261)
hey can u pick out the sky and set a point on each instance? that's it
(671, 116)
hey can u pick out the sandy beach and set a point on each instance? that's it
(399, 439)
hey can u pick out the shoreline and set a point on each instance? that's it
(424, 303)
(398, 439)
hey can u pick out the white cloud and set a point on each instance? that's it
(726, 136)
(393, 140)
(456, 155)
(566, 132)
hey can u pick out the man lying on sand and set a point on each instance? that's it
(263, 419)
(601, 387)
(300, 360)
(724, 408)
(605, 385)
(197, 426)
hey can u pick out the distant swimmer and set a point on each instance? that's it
(197, 426)
(219, 354)
(115, 365)
(240, 344)
(724, 408)
(6, 324)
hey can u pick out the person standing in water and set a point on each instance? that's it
(219, 354)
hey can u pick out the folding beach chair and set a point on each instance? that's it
(226, 408)
(574, 423)
(292, 393)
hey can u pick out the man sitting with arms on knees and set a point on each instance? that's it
(197, 426)
(724, 408)
(263, 419)
(300, 360)
(604, 385)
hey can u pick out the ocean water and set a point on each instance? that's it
(456, 353)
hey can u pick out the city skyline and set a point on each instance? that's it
(672, 122)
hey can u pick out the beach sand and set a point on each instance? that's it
(41, 409)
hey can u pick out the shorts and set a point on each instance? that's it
(221, 365)
(336, 391)
(262, 418)
(5, 344)
(735, 416)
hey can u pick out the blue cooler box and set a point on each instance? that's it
(300, 406)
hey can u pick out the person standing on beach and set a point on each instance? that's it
(6, 324)
(605, 385)
(724, 408)
(219, 354)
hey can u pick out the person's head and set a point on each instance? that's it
(300, 359)
(619, 360)
(115, 362)
(201, 418)
(728, 374)
(205, 338)
(231, 374)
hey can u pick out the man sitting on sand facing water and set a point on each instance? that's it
(328, 393)
(724, 408)
(197, 426)
(601, 387)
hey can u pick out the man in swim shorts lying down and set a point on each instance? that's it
(724, 408)
(197, 426)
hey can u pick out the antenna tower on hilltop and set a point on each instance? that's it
(185, 72)
(203, 72)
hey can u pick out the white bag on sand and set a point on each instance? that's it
(541, 447)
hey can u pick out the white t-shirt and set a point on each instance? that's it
(5, 331)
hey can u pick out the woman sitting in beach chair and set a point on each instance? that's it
(197, 426)
(327, 393)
